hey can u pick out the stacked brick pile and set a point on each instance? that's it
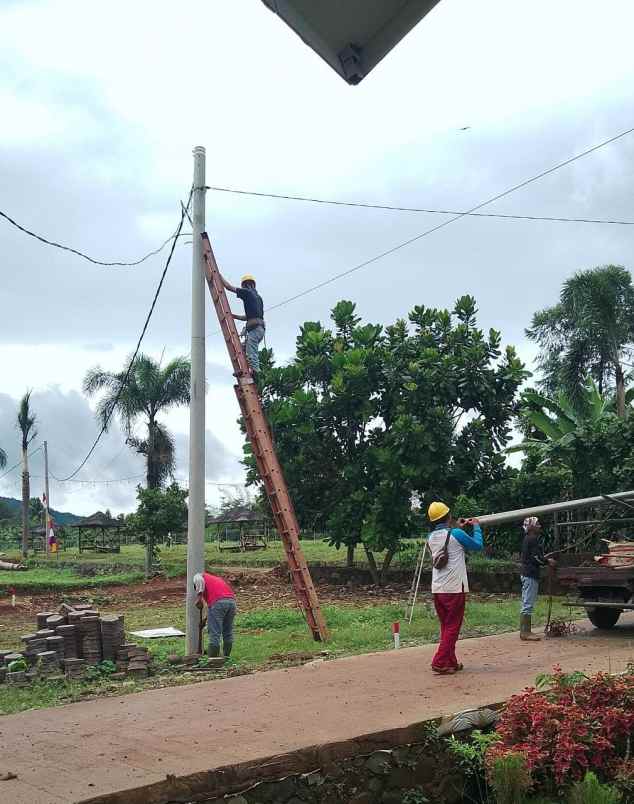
(133, 660)
(71, 640)
(112, 636)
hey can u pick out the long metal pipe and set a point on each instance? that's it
(540, 510)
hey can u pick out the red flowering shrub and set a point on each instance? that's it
(569, 730)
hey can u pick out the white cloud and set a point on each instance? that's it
(103, 103)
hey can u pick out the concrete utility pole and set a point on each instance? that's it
(46, 497)
(196, 517)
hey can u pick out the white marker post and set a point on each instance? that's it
(396, 631)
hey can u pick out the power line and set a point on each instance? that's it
(81, 253)
(15, 465)
(438, 226)
(101, 481)
(136, 351)
(365, 205)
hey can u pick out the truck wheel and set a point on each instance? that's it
(604, 618)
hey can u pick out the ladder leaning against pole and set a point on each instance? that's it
(268, 465)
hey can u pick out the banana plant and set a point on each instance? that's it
(557, 420)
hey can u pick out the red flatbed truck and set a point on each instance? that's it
(604, 592)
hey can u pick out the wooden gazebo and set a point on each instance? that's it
(99, 533)
(240, 530)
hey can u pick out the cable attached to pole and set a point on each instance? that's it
(134, 356)
(81, 254)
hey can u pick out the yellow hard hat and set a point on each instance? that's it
(437, 510)
(247, 278)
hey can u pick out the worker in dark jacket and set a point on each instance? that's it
(253, 315)
(533, 560)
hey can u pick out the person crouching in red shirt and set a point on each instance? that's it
(221, 610)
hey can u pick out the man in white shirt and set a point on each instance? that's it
(449, 583)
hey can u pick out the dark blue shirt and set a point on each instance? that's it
(253, 304)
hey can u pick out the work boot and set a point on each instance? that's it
(226, 648)
(213, 651)
(526, 634)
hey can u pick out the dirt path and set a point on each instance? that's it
(259, 588)
(137, 740)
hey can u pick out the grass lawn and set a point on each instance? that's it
(265, 636)
(63, 579)
(121, 567)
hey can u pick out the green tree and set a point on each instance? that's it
(36, 510)
(5, 511)
(363, 419)
(589, 332)
(26, 425)
(159, 511)
(149, 391)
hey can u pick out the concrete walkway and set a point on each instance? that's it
(84, 750)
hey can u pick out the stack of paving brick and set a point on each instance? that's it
(56, 643)
(54, 621)
(74, 668)
(112, 636)
(42, 617)
(48, 663)
(69, 635)
(33, 644)
(134, 660)
(75, 637)
(90, 634)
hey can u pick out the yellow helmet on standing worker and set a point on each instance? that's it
(437, 510)
(247, 278)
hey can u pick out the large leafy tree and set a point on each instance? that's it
(589, 332)
(159, 512)
(363, 419)
(26, 425)
(150, 390)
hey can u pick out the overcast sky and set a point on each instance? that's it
(101, 104)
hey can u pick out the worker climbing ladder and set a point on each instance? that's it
(268, 465)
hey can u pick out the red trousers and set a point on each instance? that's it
(450, 611)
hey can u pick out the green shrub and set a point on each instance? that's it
(591, 791)
(509, 779)
(415, 796)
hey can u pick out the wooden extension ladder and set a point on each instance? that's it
(268, 465)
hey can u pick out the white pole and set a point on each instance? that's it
(196, 515)
(47, 504)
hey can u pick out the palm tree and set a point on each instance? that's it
(148, 391)
(26, 424)
(590, 332)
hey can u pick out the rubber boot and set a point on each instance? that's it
(213, 651)
(526, 634)
(226, 648)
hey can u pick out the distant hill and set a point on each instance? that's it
(61, 517)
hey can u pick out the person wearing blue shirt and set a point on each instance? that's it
(253, 316)
(450, 583)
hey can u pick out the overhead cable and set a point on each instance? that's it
(457, 217)
(134, 356)
(366, 205)
(81, 253)
(15, 465)
(104, 481)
